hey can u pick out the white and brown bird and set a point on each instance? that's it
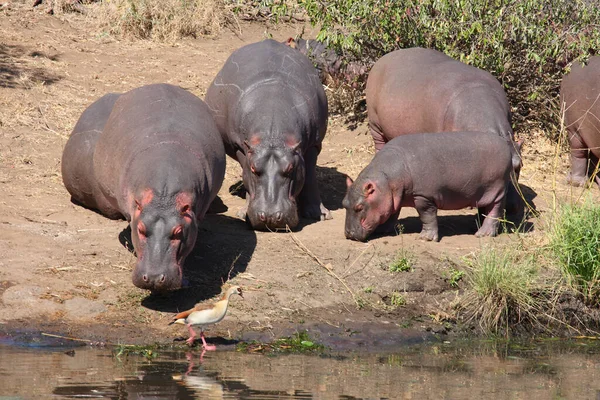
(205, 314)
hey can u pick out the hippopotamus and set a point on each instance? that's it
(271, 111)
(420, 90)
(154, 157)
(419, 170)
(328, 62)
(580, 97)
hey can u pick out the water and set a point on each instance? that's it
(542, 370)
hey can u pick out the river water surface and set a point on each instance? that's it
(483, 370)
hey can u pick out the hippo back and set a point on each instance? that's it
(261, 73)
(152, 131)
(422, 90)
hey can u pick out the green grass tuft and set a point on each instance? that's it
(575, 245)
(502, 290)
(147, 351)
(403, 262)
(300, 342)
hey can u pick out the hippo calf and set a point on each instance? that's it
(271, 111)
(422, 90)
(580, 97)
(154, 157)
(447, 171)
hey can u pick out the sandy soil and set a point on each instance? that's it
(63, 268)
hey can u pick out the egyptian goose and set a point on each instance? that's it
(205, 314)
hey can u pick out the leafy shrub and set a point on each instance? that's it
(526, 44)
(575, 245)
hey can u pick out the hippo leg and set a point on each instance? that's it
(310, 199)
(492, 213)
(241, 157)
(389, 226)
(377, 135)
(579, 161)
(428, 214)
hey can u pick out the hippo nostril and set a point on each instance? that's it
(145, 278)
(162, 278)
(262, 216)
(278, 216)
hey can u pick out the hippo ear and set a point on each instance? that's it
(349, 181)
(368, 189)
(291, 42)
(519, 145)
(247, 147)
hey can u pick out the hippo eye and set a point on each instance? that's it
(141, 228)
(253, 168)
(177, 233)
(288, 169)
(358, 208)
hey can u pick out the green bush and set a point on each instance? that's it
(526, 44)
(575, 245)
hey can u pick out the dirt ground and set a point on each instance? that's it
(64, 269)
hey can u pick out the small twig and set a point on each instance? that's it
(45, 221)
(232, 265)
(66, 337)
(327, 266)
(356, 259)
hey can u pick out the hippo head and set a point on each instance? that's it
(163, 232)
(368, 203)
(273, 176)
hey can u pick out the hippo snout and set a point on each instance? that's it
(271, 219)
(156, 281)
(353, 235)
(263, 218)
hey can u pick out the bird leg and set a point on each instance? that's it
(190, 340)
(209, 347)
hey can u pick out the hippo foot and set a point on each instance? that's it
(318, 212)
(429, 235)
(241, 214)
(576, 180)
(487, 231)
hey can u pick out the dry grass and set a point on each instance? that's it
(165, 20)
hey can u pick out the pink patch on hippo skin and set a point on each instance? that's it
(254, 140)
(183, 202)
(291, 142)
(142, 201)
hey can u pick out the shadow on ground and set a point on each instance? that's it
(223, 249)
(14, 67)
